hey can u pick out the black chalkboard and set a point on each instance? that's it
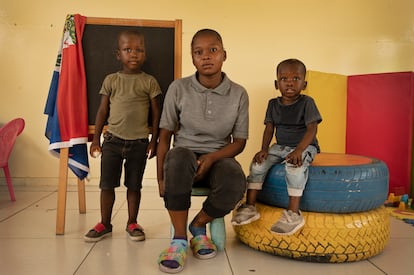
(163, 51)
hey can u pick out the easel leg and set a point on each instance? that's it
(81, 196)
(62, 189)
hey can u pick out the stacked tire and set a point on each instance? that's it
(342, 205)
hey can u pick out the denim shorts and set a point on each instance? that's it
(296, 177)
(117, 152)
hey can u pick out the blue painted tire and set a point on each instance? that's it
(332, 189)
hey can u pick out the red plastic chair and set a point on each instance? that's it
(8, 135)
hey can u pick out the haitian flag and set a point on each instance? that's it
(66, 105)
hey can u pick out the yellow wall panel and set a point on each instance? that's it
(374, 42)
(329, 92)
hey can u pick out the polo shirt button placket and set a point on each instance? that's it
(209, 102)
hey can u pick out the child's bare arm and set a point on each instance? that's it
(101, 117)
(267, 138)
(162, 149)
(156, 114)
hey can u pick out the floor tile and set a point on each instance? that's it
(42, 256)
(29, 244)
(121, 256)
(245, 260)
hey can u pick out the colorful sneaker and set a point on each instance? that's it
(245, 214)
(135, 232)
(98, 233)
(289, 223)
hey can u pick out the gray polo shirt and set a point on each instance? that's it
(205, 119)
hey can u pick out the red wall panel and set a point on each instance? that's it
(380, 119)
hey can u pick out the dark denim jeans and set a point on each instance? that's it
(225, 179)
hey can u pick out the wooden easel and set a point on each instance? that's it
(63, 187)
(113, 25)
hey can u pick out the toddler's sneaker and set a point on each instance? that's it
(135, 232)
(98, 233)
(289, 223)
(245, 214)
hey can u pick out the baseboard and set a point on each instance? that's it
(54, 181)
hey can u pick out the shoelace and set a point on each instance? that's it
(286, 217)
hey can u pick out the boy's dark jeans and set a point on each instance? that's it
(225, 178)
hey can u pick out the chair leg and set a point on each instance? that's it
(218, 233)
(9, 183)
(172, 231)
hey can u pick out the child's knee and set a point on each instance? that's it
(258, 169)
(295, 170)
(296, 178)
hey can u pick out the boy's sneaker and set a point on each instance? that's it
(289, 223)
(245, 214)
(98, 233)
(135, 232)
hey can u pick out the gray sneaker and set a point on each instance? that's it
(289, 223)
(245, 214)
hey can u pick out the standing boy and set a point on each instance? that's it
(295, 118)
(126, 98)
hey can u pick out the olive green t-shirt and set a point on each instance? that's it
(129, 103)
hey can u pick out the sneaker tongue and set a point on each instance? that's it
(99, 227)
(290, 215)
(133, 226)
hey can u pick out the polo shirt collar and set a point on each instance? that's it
(221, 89)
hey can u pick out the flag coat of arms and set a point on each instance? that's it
(66, 105)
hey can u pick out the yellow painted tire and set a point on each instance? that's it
(326, 237)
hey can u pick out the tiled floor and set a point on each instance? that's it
(29, 245)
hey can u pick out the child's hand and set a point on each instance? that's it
(95, 150)
(260, 156)
(295, 158)
(204, 164)
(151, 150)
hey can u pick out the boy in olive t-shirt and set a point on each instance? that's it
(126, 98)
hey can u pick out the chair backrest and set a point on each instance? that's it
(8, 135)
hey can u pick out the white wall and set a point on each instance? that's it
(337, 36)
